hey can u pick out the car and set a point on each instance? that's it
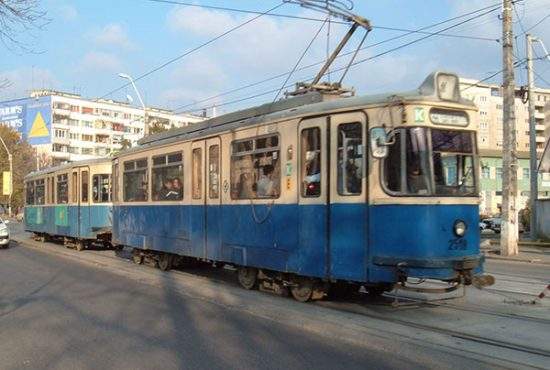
(482, 226)
(4, 234)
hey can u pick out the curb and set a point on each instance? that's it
(515, 259)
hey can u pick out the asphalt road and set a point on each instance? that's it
(56, 313)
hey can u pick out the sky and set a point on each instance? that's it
(87, 43)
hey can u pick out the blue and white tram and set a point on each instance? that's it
(71, 202)
(312, 191)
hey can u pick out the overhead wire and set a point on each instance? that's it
(362, 60)
(179, 57)
(494, 7)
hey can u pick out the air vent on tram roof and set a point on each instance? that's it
(238, 116)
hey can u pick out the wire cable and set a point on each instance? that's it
(163, 65)
(494, 7)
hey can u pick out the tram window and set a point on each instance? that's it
(392, 165)
(52, 190)
(85, 185)
(255, 168)
(75, 187)
(311, 162)
(30, 193)
(214, 171)
(350, 158)
(101, 188)
(39, 192)
(135, 184)
(63, 189)
(168, 177)
(197, 173)
(114, 187)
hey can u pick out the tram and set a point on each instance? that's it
(71, 202)
(315, 191)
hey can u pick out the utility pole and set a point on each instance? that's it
(509, 227)
(533, 178)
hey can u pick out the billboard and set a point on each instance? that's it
(31, 117)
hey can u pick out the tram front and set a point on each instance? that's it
(424, 210)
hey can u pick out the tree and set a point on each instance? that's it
(24, 161)
(18, 17)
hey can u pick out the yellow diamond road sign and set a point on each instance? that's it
(39, 128)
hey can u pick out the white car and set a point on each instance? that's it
(4, 234)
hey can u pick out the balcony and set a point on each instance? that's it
(540, 127)
(540, 139)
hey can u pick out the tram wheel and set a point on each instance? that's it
(137, 258)
(248, 277)
(302, 291)
(80, 245)
(165, 262)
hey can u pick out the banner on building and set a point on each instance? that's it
(6, 183)
(31, 117)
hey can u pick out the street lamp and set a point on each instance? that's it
(10, 161)
(145, 120)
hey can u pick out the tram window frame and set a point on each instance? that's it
(162, 165)
(431, 184)
(74, 187)
(344, 187)
(40, 183)
(62, 188)
(133, 169)
(196, 178)
(85, 186)
(29, 193)
(214, 171)
(52, 190)
(97, 182)
(114, 182)
(307, 187)
(262, 168)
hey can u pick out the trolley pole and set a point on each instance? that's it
(509, 227)
(533, 178)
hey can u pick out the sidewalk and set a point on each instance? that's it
(529, 252)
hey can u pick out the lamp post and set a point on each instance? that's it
(145, 118)
(10, 161)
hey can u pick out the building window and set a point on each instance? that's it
(62, 189)
(483, 125)
(311, 162)
(526, 173)
(255, 168)
(214, 171)
(168, 177)
(101, 188)
(499, 173)
(87, 137)
(485, 172)
(350, 159)
(135, 182)
(74, 136)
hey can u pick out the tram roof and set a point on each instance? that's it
(68, 165)
(308, 104)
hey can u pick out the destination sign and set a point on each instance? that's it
(449, 117)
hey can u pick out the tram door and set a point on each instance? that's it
(348, 196)
(83, 201)
(198, 196)
(313, 212)
(213, 199)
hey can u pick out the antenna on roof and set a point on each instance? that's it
(339, 9)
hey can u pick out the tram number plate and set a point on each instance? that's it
(458, 244)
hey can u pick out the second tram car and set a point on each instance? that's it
(71, 202)
(313, 191)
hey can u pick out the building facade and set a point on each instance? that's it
(66, 127)
(489, 100)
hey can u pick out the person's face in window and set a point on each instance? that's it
(177, 183)
(168, 184)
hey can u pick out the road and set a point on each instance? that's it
(61, 312)
(58, 313)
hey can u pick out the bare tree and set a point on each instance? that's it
(18, 17)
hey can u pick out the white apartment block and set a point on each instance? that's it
(67, 127)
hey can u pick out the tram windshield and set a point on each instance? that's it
(431, 162)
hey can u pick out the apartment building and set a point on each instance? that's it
(67, 127)
(488, 98)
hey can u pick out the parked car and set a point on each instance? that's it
(4, 234)
(495, 223)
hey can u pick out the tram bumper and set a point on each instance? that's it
(464, 269)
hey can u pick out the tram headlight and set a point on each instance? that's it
(459, 228)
